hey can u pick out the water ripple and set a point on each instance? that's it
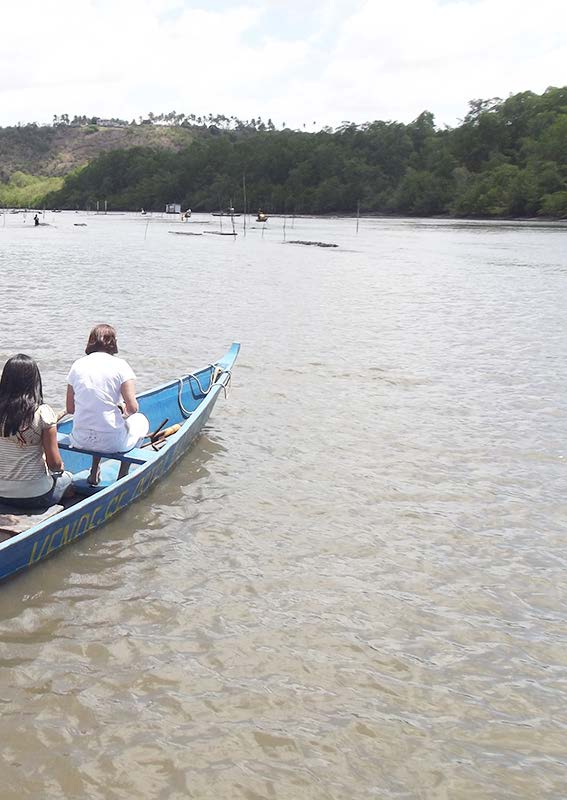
(354, 585)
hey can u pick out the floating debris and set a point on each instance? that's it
(313, 244)
(185, 233)
(220, 233)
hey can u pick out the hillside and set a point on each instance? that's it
(55, 151)
(508, 158)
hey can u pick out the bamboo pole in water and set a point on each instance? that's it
(244, 194)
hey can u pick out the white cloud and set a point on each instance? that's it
(418, 55)
(327, 61)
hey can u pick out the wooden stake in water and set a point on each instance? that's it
(244, 194)
(284, 224)
(357, 214)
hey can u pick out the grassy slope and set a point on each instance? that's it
(27, 191)
(34, 161)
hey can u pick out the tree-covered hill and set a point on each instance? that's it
(508, 158)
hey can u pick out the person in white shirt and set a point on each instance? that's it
(96, 384)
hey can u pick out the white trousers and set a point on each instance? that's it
(121, 440)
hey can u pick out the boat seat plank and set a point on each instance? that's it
(14, 520)
(135, 456)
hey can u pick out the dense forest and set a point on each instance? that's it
(508, 158)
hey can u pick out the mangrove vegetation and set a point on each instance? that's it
(507, 158)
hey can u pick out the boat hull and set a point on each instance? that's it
(37, 543)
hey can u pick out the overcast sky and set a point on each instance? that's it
(294, 61)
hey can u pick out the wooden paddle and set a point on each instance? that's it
(153, 434)
(161, 435)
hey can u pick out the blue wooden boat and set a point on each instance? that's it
(187, 401)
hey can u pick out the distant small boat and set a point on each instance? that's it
(221, 233)
(313, 244)
(229, 212)
(185, 233)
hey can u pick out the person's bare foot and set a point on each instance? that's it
(94, 478)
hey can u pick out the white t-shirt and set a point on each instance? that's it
(96, 380)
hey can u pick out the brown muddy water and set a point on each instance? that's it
(354, 585)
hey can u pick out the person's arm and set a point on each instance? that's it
(51, 449)
(128, 390)
(70, 403)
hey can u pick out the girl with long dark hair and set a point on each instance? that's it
(31, 469)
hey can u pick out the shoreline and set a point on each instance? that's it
(439, 217)
(338, 215)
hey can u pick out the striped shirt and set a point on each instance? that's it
(23, 471)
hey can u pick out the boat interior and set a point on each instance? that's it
(166, 408)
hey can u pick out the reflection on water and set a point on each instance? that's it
(354, 584)
(487, 226)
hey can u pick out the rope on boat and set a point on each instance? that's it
(182, 408)
(214, 376)
(226, 386)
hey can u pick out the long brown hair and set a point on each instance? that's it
(102, 338)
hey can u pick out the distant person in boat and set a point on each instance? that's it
(36, 220)
(96, 384)
(32, 474)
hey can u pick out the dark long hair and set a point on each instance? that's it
(21, 394)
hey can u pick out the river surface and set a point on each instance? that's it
(354, 585)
